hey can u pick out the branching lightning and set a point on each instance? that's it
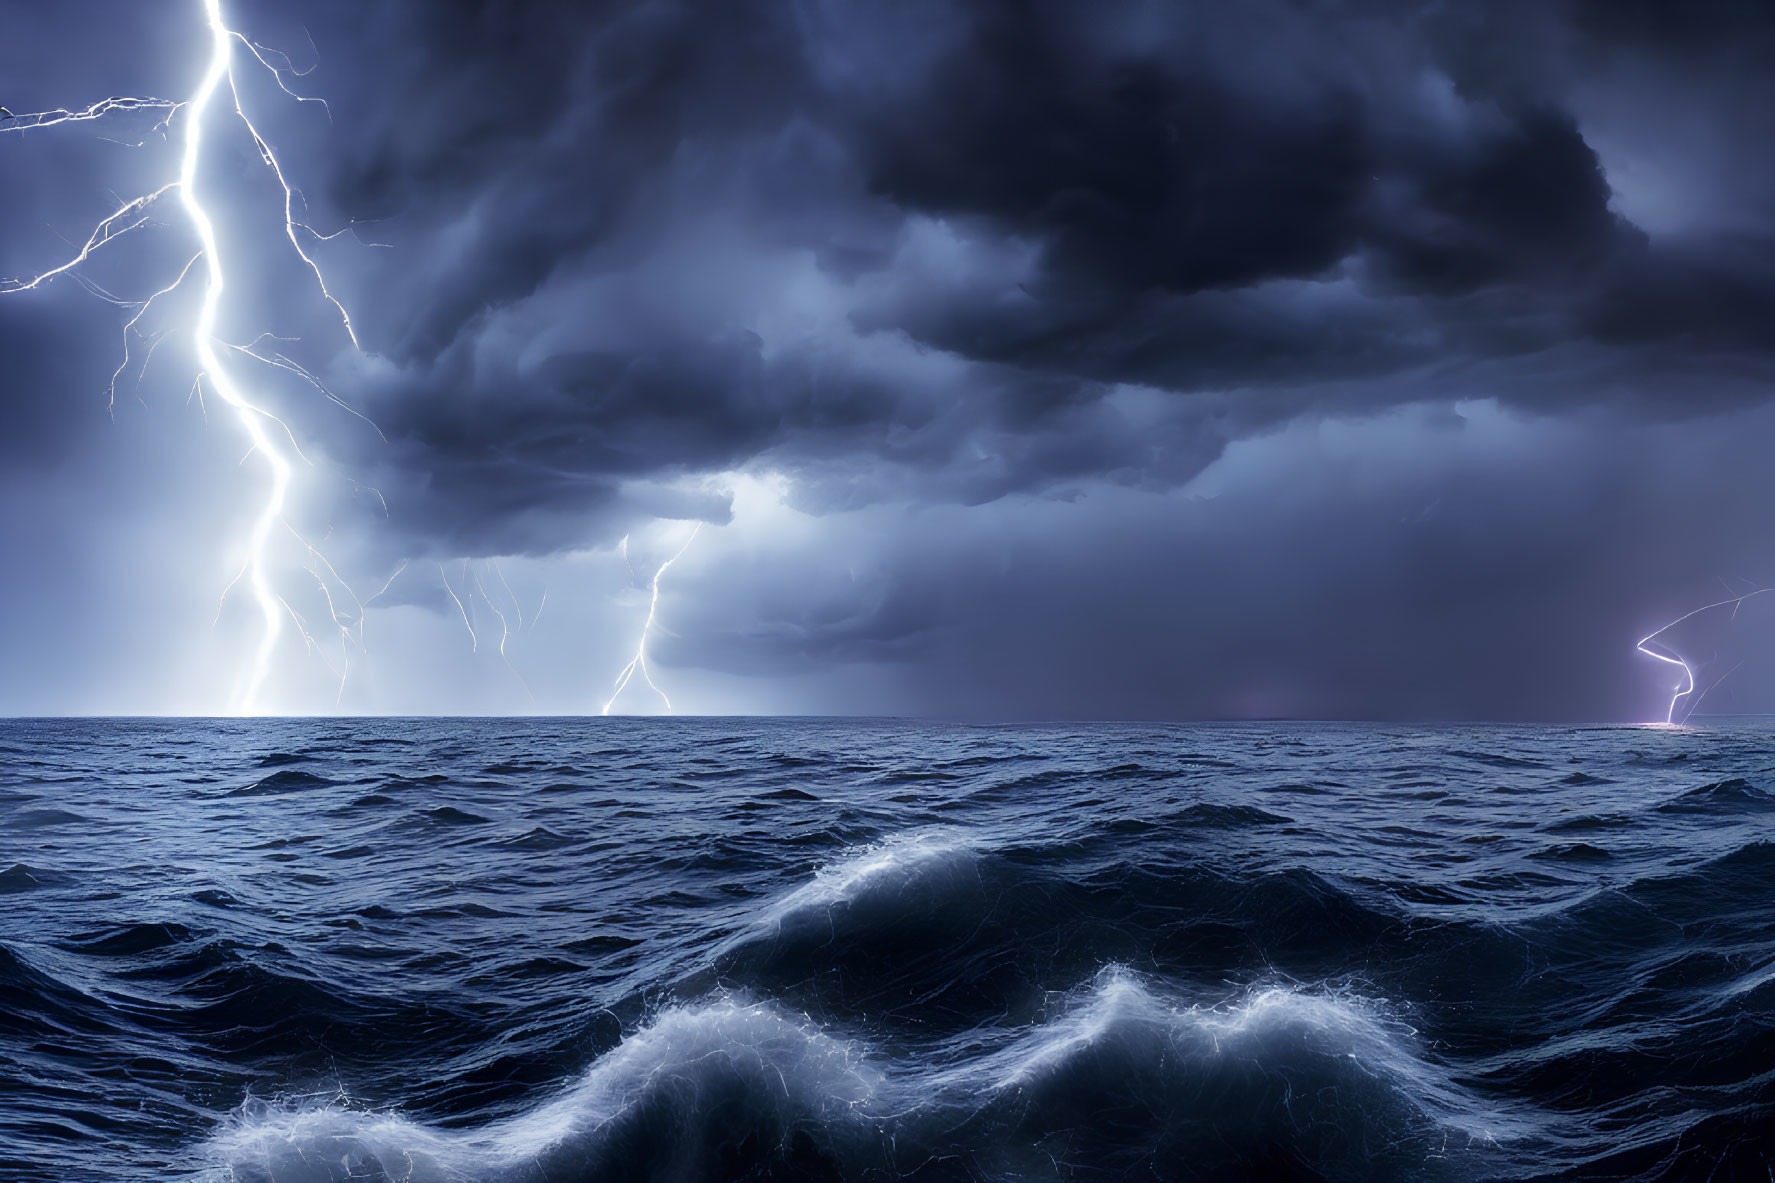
(474, 639)
(1652, 647)
(271, 443)
(131, 215)
(270, 439)
(474, 585)
(98, 110)
(638, 663)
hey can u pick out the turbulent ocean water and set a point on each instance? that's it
(570, 950)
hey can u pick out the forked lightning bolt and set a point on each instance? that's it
(638, 663)
(271, 440)
(1651, 646)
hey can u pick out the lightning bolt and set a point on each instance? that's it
(270, 439)
(98, 110)
(1652, 647)
(639, 661)
(505, 627)
(474, 638)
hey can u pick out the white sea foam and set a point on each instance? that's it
(1334, 1037)
(780, 1066)
(888, 865)
(733, 1071)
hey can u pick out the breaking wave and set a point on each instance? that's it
(1321, 1084)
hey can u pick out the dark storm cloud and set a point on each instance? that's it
(1737, 28)
(968, 267)
(1259, 211)
(1405, 573)
(1134, 172)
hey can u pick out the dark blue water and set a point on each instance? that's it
(598, 949)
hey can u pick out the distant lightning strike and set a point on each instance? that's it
(1654, 648)
(474, 639)
(266, 433)
(505, 626)
(638, 663)
(473, 585)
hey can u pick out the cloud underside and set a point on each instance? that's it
(946, 252)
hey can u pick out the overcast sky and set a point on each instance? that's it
(1360, 359)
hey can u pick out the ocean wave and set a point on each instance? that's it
(1276, 1081)
(564, 952)
(23, 877)
(1322, 1084)
(702, 1093)
(885, 867)
(943, 918)
(287, 780)
(1727, 796)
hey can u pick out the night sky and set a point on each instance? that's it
(1361, 359)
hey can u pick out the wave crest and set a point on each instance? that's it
(1281, 1081)
(703, 1092)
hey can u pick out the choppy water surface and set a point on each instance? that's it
(598, 949)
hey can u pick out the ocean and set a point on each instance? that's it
(284, 951)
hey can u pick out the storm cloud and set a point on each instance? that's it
(1054, 323)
